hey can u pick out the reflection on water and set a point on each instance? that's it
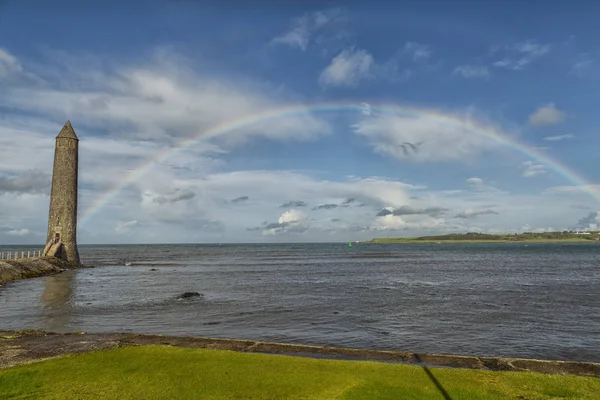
(56, 300)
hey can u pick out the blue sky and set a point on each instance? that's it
(137, 80)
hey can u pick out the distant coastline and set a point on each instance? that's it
(526, 237)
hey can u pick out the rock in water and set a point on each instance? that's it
(188, 295)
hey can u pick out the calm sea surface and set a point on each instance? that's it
(535, 300)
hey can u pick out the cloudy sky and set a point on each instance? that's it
(400, 121)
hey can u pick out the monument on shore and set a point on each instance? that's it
(62, 220)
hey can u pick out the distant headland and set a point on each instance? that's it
(474, 237)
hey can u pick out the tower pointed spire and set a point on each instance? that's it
(67, 132)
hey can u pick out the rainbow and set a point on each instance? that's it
(247, 121)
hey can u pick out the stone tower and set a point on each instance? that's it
(62, 220)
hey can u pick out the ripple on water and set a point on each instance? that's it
(496, 300)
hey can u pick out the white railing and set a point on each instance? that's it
(15, 255)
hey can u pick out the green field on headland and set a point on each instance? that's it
(162, 372)
(472, 237)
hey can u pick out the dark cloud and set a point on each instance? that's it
(384, 212)
(408, 210)
(277, 225)
(588, 219)
(296, 229)
(432, 211)
(474, 213)
(580, 207)
(176, 167)
(32, 181)
(240, 199)
(177, 195)
(280, 228)
(326, 207)
(349, 201)
(99, 103)
(359, 228)
(298, 203)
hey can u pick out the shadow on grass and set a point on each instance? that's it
(434, 379)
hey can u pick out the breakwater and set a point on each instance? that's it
(14, 269)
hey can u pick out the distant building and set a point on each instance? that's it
(61, 241)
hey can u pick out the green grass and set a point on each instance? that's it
(160, 372)
(414, 240)
(475, 237)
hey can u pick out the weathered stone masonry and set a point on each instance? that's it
(61, 241)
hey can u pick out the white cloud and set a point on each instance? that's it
(425, 138)
(351, 66)
(391, 222)
(417, 51)
(480, 185)
(18, 232)
(290, 222)
(546, 115)
(476, 182)
(210, 216)
(532, 169)
(529, 228)
(584, 66)
(164, 100)
(472, 71)
(572, 190)
(559, 137)
(366, 109)
(123, 227)
(8, 64)
(348, 68)
(290, 216)
(187, 197)
(303, 28)
(519, 55)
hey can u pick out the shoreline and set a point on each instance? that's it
(23, 347)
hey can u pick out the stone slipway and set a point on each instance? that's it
(20, 347)
(11, 270)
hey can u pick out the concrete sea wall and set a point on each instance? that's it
(11, 270)
(19, 347)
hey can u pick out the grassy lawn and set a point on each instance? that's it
(160, 372)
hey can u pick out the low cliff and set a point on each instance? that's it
(11, 270)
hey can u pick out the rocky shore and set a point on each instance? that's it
(11, 270)
(20, 347)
